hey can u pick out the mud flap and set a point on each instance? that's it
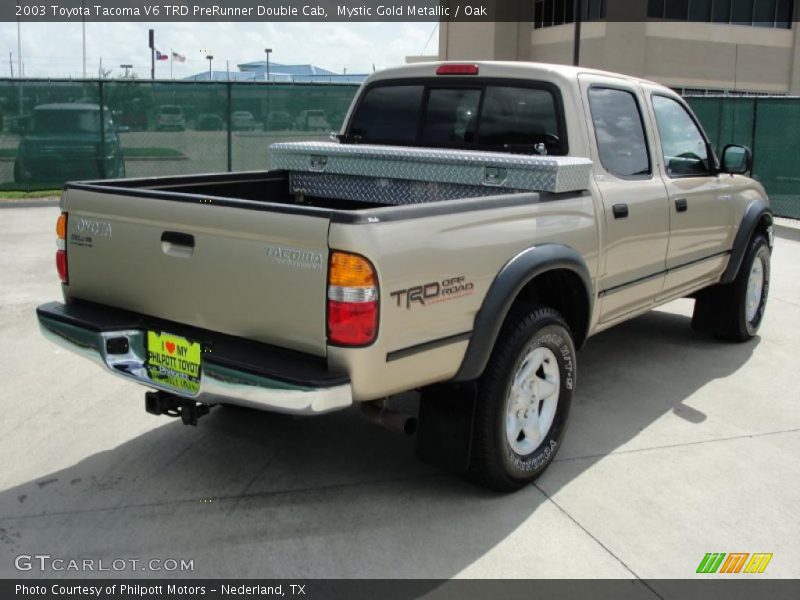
(446, 417)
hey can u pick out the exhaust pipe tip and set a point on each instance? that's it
(392, 420)
(410, 427)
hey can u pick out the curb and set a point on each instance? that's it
(32, 203)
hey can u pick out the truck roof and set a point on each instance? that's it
(513, 69)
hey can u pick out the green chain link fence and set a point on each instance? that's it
(771, 128)
(51, 130)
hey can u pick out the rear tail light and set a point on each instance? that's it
(457, 70)
(352, 300)
(61, 245)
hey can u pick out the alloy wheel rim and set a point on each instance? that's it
(532, 400)
(755, 288)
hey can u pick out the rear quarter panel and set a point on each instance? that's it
(469, 244)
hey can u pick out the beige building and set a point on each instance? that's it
(740, 46)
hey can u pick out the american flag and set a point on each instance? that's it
(178, 57)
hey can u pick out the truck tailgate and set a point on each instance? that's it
(246, 271)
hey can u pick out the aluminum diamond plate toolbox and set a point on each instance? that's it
(384, 190)
(511, 172)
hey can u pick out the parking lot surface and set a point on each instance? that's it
(679, 445)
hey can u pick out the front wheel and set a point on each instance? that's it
(524, 397)
(734, 311)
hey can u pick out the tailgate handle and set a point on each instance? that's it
(175, 243)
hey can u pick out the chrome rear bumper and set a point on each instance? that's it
(218, 383)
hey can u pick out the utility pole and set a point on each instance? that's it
(19, 49)
(152, 40)
(126, 67)
(83, 25)
(209, 58)
(576, 48)
(11, 63)
(267, 51)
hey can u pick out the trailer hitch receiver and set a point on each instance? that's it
(163, 403)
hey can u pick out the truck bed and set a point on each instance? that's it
(172, 248)
(227, 189)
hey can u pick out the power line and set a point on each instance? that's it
(429, 39)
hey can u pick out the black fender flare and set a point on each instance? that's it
(753, 214)
(509, 282)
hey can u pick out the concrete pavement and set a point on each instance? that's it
(679, 445)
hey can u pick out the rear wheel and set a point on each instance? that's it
(524, 397)
(734, 311)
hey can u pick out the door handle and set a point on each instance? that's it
(175, 243)
(681, 205)
(620, 211)
(176, 238)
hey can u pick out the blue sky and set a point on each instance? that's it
(54, 49)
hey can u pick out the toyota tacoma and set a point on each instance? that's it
(466, 231)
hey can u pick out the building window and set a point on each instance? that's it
(757, 13)
(549, 13)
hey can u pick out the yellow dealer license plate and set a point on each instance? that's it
(173, 361)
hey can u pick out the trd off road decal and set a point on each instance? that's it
(434, 292)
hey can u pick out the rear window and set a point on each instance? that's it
(388, 113)
(452, 116)
(67, 121)
(507, 118)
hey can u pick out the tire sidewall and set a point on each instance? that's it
(552, 335)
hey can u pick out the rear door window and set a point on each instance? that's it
(619, 131)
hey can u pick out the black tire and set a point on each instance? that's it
(494, 462)
(721, 310)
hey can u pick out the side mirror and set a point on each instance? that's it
(736, 160)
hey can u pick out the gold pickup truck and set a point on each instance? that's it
(469, 228)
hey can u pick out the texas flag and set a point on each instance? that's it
(178, 57)
(160, 56)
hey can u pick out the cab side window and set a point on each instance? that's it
(682, 143)
(619, 131)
